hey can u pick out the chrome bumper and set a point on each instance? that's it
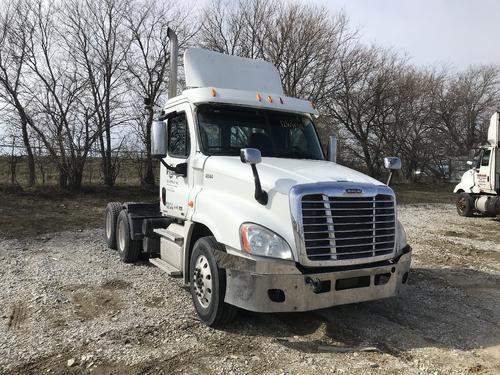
(252, 290)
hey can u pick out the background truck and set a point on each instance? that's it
(479, 187)
(251, 213)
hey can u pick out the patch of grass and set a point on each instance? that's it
(46, 210)
(424, 193)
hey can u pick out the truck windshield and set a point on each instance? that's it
(224, 130)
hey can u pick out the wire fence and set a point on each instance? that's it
(14, 166)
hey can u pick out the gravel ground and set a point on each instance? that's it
(67, 305)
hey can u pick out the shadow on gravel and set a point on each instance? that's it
(443, 308)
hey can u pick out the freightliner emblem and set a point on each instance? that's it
(353, 191)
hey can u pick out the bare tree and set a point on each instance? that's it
(148, 63)
(100, 41)
(63, 118)
(363, 100)
(465, 103)
(14, 35)
(409, 131)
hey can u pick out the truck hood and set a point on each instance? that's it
(226, 196)
(281, 174)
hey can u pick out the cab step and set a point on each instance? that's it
(169, 235)
(166, 267)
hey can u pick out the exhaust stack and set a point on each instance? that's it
(174, 56)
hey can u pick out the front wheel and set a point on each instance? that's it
(465, 205)
(208, 284)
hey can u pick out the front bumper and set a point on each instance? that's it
(296, 291)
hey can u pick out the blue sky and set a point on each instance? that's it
(456, 33)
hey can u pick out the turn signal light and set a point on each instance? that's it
(244, 237)
(191, 204)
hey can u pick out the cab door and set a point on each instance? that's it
(175, 179)
(485, 174)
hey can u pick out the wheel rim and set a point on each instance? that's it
(109, 224)
(121, 236)
(203, 281)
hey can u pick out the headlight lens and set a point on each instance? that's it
(258, 240)
(401, 236)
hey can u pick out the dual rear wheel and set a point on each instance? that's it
(117, 233)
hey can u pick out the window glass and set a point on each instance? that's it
(225, 130)
(485, 161)
(178, 136)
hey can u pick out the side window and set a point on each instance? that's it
(485, 161)
(477, 158)
(178, 136)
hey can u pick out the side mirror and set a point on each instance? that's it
(332, 149)
(159, 139)
(250, 156)
(392, 163)
(469, 162)
(253, 156)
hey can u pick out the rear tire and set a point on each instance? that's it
(465, 205)
(110, 218)
(208, 284)
(128, 249)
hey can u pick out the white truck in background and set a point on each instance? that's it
(479, 187)
(251, 213)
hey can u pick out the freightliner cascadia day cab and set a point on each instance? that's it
(479, 187)
(251, 213)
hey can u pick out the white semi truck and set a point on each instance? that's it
(479, 187)
(251, 213)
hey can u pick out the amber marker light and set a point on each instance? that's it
(258, 97)
(269, 99)
(191, 204)
(244, 237)
(214, 93)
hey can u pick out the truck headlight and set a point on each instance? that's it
(401, 236)
(261, 241)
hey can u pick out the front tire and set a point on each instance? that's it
(465, 205)
(208, 284)
(128, 249)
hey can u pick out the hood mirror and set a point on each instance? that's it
(253, 156)
(393, 164)
(250, 156)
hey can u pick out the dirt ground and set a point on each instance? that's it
(67, 305)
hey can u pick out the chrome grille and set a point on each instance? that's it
(343, 228)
